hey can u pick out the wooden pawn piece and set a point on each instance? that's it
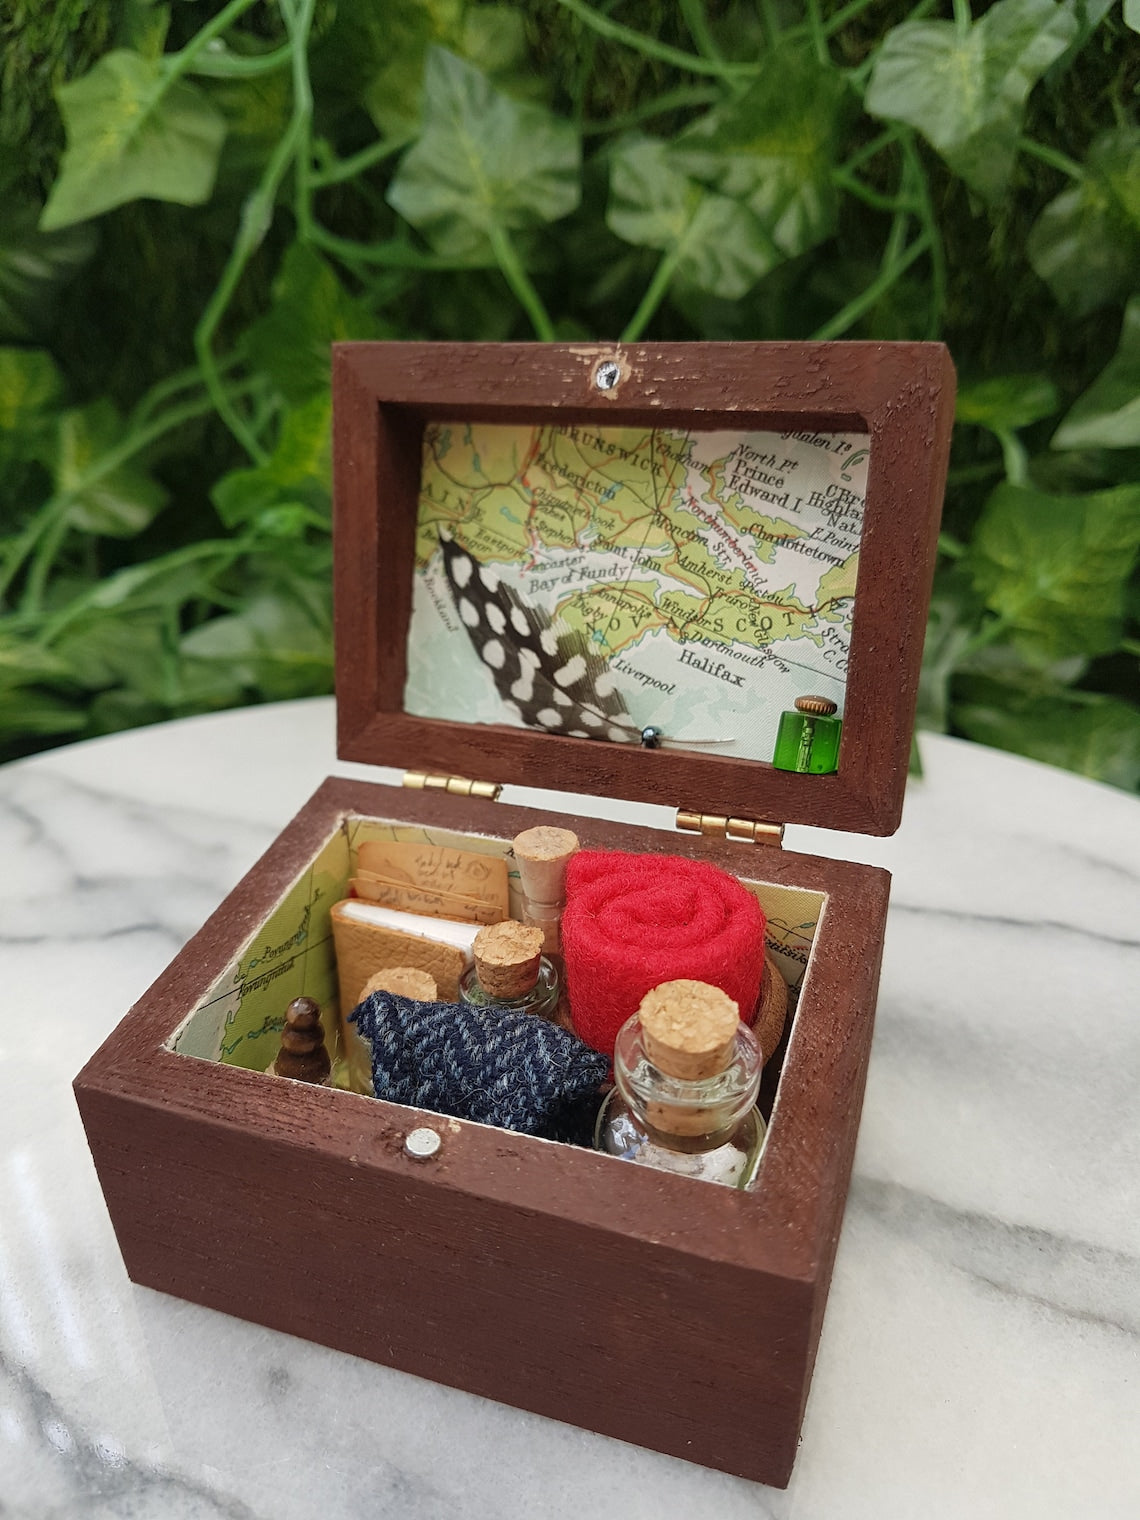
(508, 957)
(542, 854)
(303, 1056)
(404, 981)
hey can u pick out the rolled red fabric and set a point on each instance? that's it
(632, 922)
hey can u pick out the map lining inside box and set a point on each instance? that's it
(610, 578)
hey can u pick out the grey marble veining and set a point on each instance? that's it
(981, 1351)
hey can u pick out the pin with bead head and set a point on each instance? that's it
(303, 1055)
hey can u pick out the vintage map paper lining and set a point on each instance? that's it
(240, 1019)
(714, 572)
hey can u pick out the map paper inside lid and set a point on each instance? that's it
(629, 587)
(598, 581)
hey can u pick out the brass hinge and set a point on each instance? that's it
(717, 826)
(458, 786)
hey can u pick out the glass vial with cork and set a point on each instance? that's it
(541, 855)
(807, 739)
(510, 971)
(687, 1074)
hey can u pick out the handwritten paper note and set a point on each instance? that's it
(423, 878)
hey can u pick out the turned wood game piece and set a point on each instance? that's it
(303, 1056)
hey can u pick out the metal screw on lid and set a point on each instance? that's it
(422, 1144)
(607, 375)
(819, 707)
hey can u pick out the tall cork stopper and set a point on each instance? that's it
(688, 1029)
(542, 854)
(404, 981)
(303, 1055)
(508, 957)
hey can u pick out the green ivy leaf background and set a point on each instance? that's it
(133, 130)
(195, 201)
(963, 84)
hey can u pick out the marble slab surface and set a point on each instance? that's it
(981, 1351)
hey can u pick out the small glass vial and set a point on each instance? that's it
(808, 739)
(541, 856)
(687, 1074)
(510, 971)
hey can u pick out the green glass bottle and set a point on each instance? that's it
(808, 739)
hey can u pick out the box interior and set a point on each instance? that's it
(290, 955)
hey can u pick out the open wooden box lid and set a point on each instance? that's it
(697, 533)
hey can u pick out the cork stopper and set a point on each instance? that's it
(404, 981)
(303, 1055)
(817, 707)
(542, 854)
(507, 958)
(688, 1029)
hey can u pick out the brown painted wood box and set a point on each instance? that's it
(643, 1305)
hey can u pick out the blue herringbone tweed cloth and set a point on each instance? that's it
(510, 1069)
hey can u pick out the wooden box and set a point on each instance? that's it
(660, 1309)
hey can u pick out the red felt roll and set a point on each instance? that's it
(634, 921)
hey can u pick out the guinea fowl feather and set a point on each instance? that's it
(544, 670)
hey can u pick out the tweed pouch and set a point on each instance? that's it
(513, 1070)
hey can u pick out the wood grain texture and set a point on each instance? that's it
(536, 1274)
(902, 394)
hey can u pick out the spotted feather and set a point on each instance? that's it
(545, 671)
